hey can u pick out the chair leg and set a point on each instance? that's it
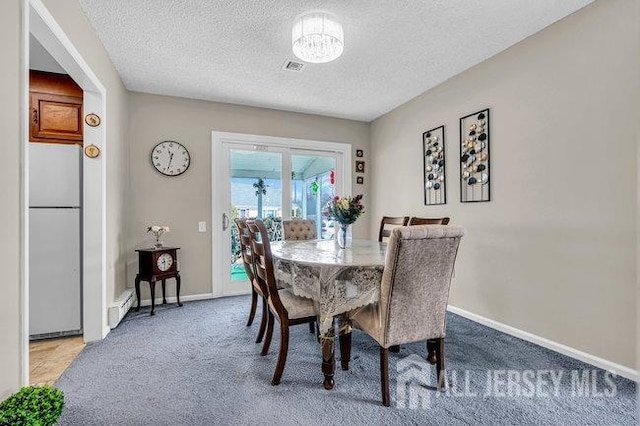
(384, 376)
(312, 327)
(440, 368)
(254, 303)
(263, 321)
(282, 356)
(431, 351)
(267, 339)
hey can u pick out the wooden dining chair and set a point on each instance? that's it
(413, 295)
(428, 221)
(258, 291)
(392, 221)
(283, 305)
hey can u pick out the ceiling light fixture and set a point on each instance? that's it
(317, 37)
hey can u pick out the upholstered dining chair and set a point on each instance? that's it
(413, 295)
(428, 221)
(258, 291)
(422, 221)
(385, 232)
(283, 306)
(299, 229)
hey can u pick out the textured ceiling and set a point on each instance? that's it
(233, 51)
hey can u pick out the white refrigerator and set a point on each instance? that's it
(55, 225)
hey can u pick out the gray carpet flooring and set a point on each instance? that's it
(199, 365)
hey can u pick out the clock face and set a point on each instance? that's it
(170, 158)
(164, 262)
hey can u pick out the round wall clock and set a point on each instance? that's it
(170, 158)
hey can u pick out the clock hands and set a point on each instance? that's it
(164, 262)
(162, 158)
(170, 158)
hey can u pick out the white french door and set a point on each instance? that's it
(273, 179)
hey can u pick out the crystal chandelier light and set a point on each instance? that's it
(317, 37)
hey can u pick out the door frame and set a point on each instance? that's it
(37, 20)
(218, 139)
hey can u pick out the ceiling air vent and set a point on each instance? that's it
(292, 66)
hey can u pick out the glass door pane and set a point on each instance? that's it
(255, 180)
(273, 183)
(312, 186)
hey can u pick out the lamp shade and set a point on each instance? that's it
(317, 37)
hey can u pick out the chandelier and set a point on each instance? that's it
(317, 37)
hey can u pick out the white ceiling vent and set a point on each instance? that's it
(292, 66)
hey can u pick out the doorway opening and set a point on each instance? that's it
(273, 179)
(55, 216)
(79, 212)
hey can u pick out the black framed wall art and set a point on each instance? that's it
(475, 183)
(433, 154)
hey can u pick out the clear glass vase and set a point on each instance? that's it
(344, 237)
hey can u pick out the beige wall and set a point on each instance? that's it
(182, 201)
(74, 23)
(10, 198)
(554, 253)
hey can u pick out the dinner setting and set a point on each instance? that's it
(305, 280)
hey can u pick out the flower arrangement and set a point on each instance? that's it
(158, 231)
(344, 210)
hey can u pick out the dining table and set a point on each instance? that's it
(339, 281)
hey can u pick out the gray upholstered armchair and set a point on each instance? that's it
(299, 229)
(413, 294)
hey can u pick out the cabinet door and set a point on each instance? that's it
(56, 118)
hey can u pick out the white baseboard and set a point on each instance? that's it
(617, 369)
(119, 308)
(236, 293)
(173, 299)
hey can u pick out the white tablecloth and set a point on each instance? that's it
(338, 280)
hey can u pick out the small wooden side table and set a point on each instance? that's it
(157, 264)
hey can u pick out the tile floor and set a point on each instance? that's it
(49, 358)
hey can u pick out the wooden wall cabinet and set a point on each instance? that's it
(55, 102)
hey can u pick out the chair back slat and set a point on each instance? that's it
(263, 263)
(428, 221)
(392, 221)
(415, 283)
(245, 247)
(246, 253)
